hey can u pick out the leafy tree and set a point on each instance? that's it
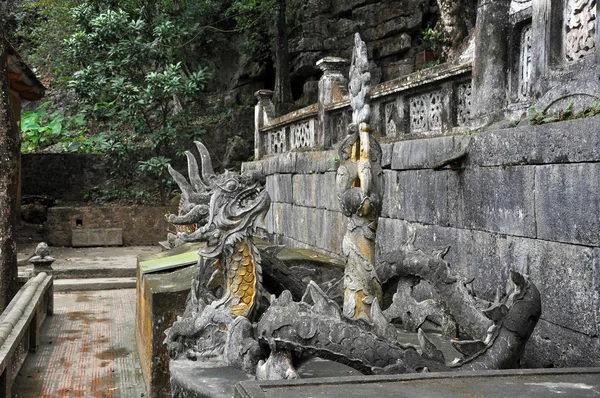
(129, 74)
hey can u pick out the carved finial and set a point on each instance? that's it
(42, 250)
(360, 82)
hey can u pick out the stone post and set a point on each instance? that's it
(490, 66)
(332, 88)
(264, 112)
(42, 261)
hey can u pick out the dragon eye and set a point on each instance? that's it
(231, 185)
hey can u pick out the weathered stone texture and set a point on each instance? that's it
(279, 187)
(90, 237)
(567, 205)
(565, 142)
(391, 30)
(493, 199)
(554, 346)
(424, 154)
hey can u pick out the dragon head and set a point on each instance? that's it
(225, 207)
(237, 202)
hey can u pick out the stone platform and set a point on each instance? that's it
(530, 383)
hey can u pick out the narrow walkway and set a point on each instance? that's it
(87, 349)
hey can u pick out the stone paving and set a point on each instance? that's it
(87, 349)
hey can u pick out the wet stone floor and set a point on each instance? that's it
(87, 349)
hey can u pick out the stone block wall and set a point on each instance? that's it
(140, 225)
(526, 197)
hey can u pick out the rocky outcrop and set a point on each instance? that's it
(391, 30)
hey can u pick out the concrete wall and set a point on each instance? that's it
(526, 197)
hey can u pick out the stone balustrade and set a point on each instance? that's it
(20, 327)
(431, 102)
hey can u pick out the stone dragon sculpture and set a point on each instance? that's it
(231, 318)
(227, 208)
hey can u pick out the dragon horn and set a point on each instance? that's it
(186, 188)
(193, 173)
(207, 168)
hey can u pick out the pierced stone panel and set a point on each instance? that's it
(463, 104)
(302, 135)
(426, 112)
(392, 119)
(580, 28)
(525, 64)
(418, 113)
(435, 111)
(277, 141)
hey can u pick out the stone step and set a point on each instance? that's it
(72, 285)
(93, 273)
(74, 272)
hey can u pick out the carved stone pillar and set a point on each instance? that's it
(264, 112)
(332, 88)
(491, 61)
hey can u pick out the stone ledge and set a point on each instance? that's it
(486, 384)
(570, 141)
(84, 237)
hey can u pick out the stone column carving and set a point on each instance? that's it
(359, 185)
(332, 88)
(264, 112)
(491, 61)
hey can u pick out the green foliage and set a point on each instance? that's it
(41, 129)
(431, 39)
(564, 114)
(39, 30)
(432, 42)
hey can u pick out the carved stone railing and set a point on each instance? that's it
(436, 101)
(20, 327)
(291, 132)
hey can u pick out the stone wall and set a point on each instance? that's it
(525, 197)
(63, 176)
(141, 225)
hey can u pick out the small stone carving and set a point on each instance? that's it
(42, 261)
(580, 28)
(391, 119)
